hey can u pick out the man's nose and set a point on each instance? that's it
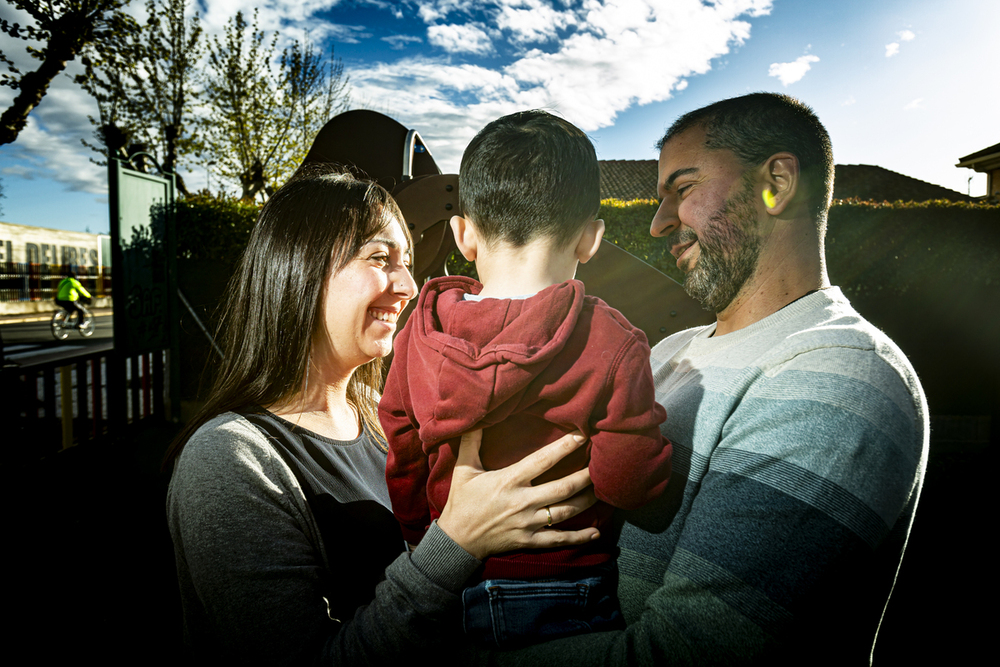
(665, 220)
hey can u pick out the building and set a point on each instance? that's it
(22, 244)
(985, 161)
(636, 179)
(628, 179)
(871, 183)
(34, 259)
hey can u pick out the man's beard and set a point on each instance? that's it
(728, 252)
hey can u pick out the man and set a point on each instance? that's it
(799, 429)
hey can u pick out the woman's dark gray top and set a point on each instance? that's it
(271, 521)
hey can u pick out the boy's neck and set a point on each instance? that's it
(506, 271)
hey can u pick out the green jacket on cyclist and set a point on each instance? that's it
(70, 289)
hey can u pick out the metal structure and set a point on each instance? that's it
(143, 246)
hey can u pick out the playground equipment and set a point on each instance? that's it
(375, 146)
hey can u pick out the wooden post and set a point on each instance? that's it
(80, 423)
(146, 405)
(66, 403)
(95, 397)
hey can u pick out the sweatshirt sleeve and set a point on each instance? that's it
(80, 288)
(249, 571)
(407, 467)
(629, 458)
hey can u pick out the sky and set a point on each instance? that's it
(908, 85)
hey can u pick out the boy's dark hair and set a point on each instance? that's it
(527, 175)
(754, 127)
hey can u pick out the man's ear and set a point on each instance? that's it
(781, 181)
(465, 237)
(590, 240)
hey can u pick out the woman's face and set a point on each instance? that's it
(364, 299)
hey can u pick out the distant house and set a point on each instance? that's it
(628, 179)
(985, 161)
(870, 183)
(636, 179)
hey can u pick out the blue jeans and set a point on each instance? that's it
(506, 613)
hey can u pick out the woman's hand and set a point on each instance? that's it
(490, 512)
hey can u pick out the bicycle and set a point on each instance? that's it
(63, 322)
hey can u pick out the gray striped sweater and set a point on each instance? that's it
(800, 444)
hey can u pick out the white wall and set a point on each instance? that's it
(39, 245)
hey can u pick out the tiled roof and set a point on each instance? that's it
(868, 182)
(636, 179)
(628, 179)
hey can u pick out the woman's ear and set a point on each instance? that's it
(590, 240)
(780, 182)
(465, 237)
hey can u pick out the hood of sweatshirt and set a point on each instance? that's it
(470, 362)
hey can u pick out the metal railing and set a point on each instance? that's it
(67, 402)
(21, 281)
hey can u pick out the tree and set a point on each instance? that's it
(63, 28)
(262, 113)
(144, 85)
(106, 76)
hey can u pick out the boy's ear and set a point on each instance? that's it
(465, 237)
(590, 240)
(781, 176)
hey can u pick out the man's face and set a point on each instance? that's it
(708, 217)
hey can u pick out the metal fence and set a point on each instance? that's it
(21, 281)
(62, 403)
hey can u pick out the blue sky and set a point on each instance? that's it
(908, 85)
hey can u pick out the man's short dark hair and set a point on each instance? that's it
(527, 175)
(756, 126)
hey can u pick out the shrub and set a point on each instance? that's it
(213, 228)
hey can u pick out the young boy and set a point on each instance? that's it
(528, 357)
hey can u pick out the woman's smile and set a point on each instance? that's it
(365, 298)
(382, 315)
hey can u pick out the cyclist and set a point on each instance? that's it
(68, 294)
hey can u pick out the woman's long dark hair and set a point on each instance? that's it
(313, 226)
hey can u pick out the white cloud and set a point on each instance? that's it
(348, 34)
(20, 171)
(618, 54)
(533, 21)
(849, 101)
(893, 48)
(274, 15)
(400, 41)
(49, 145)
(915, 104)
(433, 10)
(791, 72)
(458, 38)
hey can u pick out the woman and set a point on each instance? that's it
(277, 506)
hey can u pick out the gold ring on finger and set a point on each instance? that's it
(549, 512)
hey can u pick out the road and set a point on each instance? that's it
(29, 339)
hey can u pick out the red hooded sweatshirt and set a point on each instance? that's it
(527, 371)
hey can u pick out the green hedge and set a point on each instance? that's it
(213, 228)
(906, 246)
(627, 226)
(870, 245)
